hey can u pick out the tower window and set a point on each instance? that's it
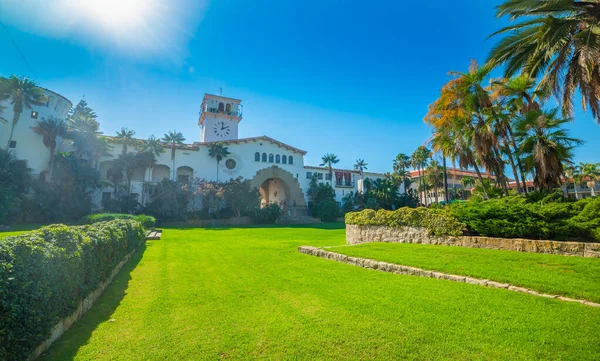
(291, 160)
(264, 157)
(277, 159)
(257, 157)
(271, 158)
(228, 109)
(221, 107)
(284, 159)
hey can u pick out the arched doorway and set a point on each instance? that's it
(279, 186)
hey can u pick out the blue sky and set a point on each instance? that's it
(350, 78)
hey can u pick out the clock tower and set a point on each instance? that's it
(219, 118)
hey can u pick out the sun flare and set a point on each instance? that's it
(116, 15)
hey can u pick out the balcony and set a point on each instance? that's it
(232, 113)
(344, 184)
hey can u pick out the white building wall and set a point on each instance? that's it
(30, 145)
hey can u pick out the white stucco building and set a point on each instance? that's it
(275, 168)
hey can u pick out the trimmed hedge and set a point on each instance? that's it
(437, 222)
(145, 220)
(45, 273)
(552, 217)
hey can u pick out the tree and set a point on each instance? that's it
(155, 148)
(23, 94)
(591, 172)
(559, 44)
(126, 136)
(435, 177)
(573, 172)
(15, 179)
(401, 164)
(546, 145)
(329, 160)
(322, 202)
(50, 129)
(360, 166)
(84, 130)
(240, 196)
(174, 139)
(218, 152)
(420, 158)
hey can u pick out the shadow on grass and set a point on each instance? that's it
(77, 336)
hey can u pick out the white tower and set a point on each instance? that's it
(219, 118)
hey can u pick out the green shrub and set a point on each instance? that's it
(268, 214)
(437, 221)
(326, 210)
(537, 216)
(145, 220)
(45, 273)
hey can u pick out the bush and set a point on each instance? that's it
(145, 220)
(438, 222)
(537, 216)
(269, 214)
(45, 273)
(326, 210)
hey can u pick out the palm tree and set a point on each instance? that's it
(154, 147)
(218, 152)
(50, 129)
(420, 159)
(360, 166)
(23, 94)
(590, 171)
(126, 136)
(175, 138)
(546, 145)
(573, 172)
(329, 160)
(559, 44)
(401, 164)
(435, 177)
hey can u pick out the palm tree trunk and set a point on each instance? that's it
(512, 164)
(519, 163)
(12, 128)
(50, 166)
(446, 195)
(420, 187)
(173, 162)
(481, 181)
(217, 171)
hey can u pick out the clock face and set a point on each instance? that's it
(221, 129)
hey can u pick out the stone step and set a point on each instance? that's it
(154, 234)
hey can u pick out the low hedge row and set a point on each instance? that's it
(45, 273)
(552, 217)
(437, 222)
(145, 220)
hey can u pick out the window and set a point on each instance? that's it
(12, 144)
(327, 176)
(291, 160)
(228, 109)
(221, 107)
(264, 157)
(308, 175)
(257, 157)
(183, 178)
(284, 159)
(271, 158)
(277, 159)
(319, 175)
(230, 164)
(583, 185)
(34, 114)
(571, 186)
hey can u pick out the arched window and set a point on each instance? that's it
(228, 108)
(277, 158)
(221, 107)
(257, 157)
(264, 157)
(291, 159)
(284, 159)
(271, 158)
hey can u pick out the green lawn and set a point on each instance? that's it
(563, 275)
(245, 293)
(18, 229)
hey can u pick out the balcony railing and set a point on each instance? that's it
(233, 113)
(344, 184)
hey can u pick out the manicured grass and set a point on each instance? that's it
(568, 276)
(244, 293)
(18, 229)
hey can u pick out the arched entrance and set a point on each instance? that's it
(279, 186)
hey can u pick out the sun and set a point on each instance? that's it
(116, 15)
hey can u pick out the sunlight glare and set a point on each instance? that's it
(116, 15)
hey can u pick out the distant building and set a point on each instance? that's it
(455, 177)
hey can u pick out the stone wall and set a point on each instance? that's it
(368, 234)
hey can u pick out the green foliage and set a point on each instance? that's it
(145, 220)
(322, 203)
(240, 196)
(537, 216)
(268, 214)
(15, 178)
(169, 200)
(45, 273)
(438, 222)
